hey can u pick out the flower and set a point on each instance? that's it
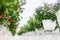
(21, 8)
(9, 20)
(3, 16)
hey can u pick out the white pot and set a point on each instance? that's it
(58, 17)
(49, 24)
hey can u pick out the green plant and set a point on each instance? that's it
(42, 13)
(9, 14)
(45, 13)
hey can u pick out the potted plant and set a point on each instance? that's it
(47, 17)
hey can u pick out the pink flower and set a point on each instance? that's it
(21, 8)
(9, 20)
(3, 16)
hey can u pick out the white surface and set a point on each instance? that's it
(44, 37)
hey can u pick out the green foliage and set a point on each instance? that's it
(9, 14)
(56, 7)
(42, 13)
(45, 13)
(22, 2)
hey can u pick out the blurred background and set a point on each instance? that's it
(28, 12)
